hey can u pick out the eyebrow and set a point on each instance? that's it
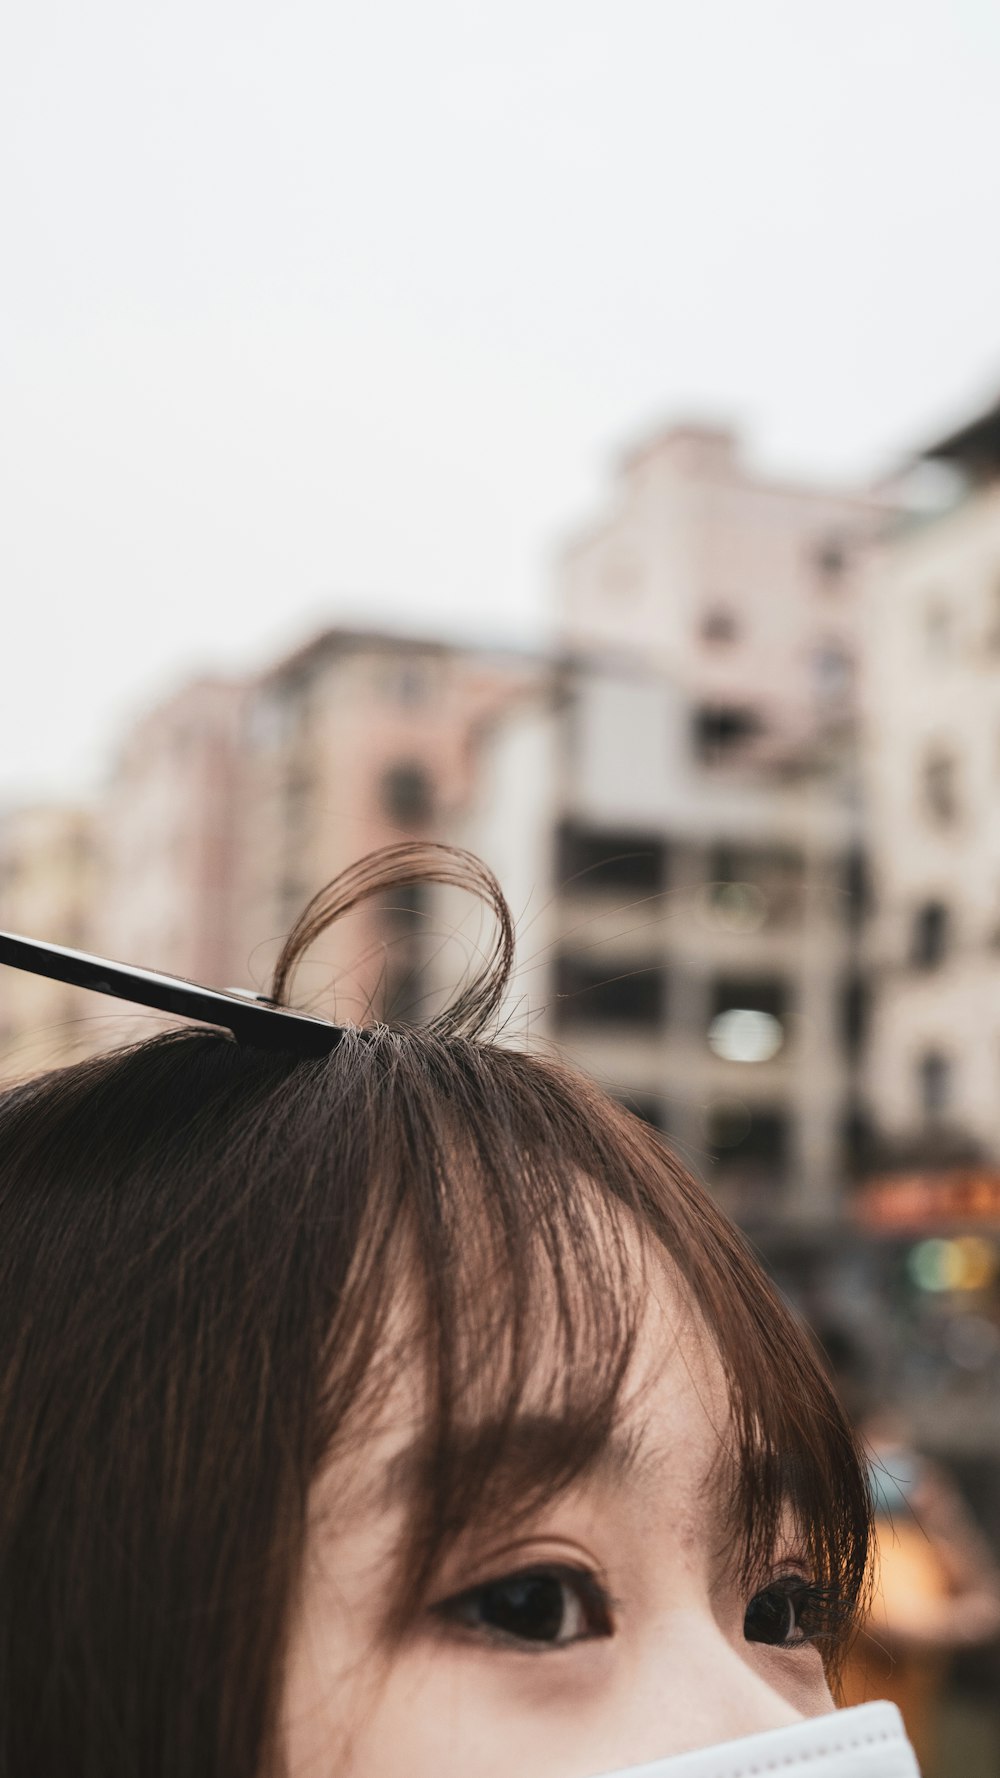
(534, 1455)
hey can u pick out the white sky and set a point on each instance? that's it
(320, 309)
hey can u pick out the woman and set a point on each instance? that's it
(407, 1409)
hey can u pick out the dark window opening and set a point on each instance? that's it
(934, 1074)
(831, 560)
(590, 858)
(858, 1142)
(833, 669)
(940, 787)
(590, 993)
(723, 731)
(854, 1015)
(774, 874)
(407, 794)
(930, 934)
(719, 625)
(856, 880)
(743, 1134)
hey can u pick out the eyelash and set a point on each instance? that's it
(816, 1611)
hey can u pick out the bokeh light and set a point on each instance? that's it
(744, 1034)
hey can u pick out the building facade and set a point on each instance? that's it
(746, 591)
(688, 930)
(932, 756)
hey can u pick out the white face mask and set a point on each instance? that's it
(867, 1741)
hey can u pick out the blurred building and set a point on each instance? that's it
(682, 809)
(48, 878)
(230, 803)
(688, 928)
(357, 740)
(744, 590)
(932, 753)
(168, 823)
(932, 762)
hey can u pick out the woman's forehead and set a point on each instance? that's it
(671, 1419)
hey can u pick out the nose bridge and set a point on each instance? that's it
(711, 1688)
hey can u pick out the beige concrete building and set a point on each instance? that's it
(932, 751)
(679, 819)
(744, 590)
(688, 930)
(48, 876)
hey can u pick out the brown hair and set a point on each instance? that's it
(200, 1244)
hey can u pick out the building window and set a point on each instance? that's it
(407, 794)
(857, 1139)
(833, 670)
(831, 561)
(854, 1011)
(935, 1082)
(719, 625)
(590, 993)
(930, 934)
(597, 859)
(940, 786)
(856, 888)
(411, 685)
(748, 1134)
(748, 1020)
(722, 732)
(753, 886)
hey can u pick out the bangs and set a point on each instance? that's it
(519, 1210)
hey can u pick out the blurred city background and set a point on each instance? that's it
(632, 518)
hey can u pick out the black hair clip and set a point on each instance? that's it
(253, 1019)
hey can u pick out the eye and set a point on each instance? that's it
(544, 1607)
(790, 1612)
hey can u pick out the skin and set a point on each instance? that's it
(664, 1669)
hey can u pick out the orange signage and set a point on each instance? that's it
(919, 1201)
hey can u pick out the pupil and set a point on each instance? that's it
(769, 1617)
(530, 1607)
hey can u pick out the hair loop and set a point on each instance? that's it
(394, 867)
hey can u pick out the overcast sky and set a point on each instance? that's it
(317, 309)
